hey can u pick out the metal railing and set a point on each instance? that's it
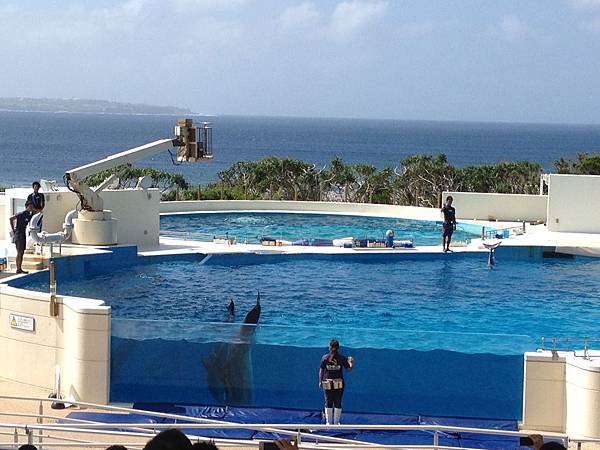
(90, 434)
(504, 232)
(555, 341)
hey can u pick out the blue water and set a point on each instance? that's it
(251, 227)
(453, 302)
(45, 145)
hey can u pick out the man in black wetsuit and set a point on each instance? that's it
(18, 224)
(331, 379)
(449, 224)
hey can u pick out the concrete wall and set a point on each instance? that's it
(137, 211)
(432, 214)
(562, 394)
(503, 207)
(77, 340)
(574, 203)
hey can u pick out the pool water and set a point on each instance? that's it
(454, 302)
(250, 227)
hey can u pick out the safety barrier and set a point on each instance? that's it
(134, 435)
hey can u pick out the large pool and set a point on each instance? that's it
(250, 227)
(432, 334)
(445, 301)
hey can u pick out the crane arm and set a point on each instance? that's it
(189, 149)
(126, 157)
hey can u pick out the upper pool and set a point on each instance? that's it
(250, 227)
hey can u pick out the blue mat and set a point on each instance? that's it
(308, 417)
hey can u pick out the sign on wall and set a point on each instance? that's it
(19, 322)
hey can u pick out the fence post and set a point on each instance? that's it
(436, 439)
(16, 437)
(482, 232)
(40, 421)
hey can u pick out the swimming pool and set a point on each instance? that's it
(439, 334)
(250, 227)
(453, 302)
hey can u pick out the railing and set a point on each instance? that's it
(556, 340)
(138, 433)
(504, 232)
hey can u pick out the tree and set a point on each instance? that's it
(127, 178)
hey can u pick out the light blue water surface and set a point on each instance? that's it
(250, 227)
(448, 302)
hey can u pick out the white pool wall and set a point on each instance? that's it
(137, 212)
(562, 392)
(574, 203)
(77, 341)
(366, 209)
(502, 207)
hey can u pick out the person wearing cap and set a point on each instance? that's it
(18, 224)
(38, 200)
(331, 380)
(449, 224)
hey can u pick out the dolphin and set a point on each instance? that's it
(231, 311)
(228, 366)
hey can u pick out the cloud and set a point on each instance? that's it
(593, 26)
(182, 6)
(351, 17)
(585, 4)
(511, 28)
(303, 15)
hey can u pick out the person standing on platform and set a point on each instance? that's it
(449, 224)
(18, 224)
(331, 380)
(38, 200)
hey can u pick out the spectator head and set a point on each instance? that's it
(205, 446)
(28, 447)
(116, 447)
(552, 445)
(449, 199)
(36, 185)
(169, 440)
(28, 205)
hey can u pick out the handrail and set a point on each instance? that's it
(556, 340)
(180, 417)
(489, 234)
(298, 430)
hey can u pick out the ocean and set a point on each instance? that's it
(44, 145)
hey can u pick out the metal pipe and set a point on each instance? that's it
(53, 303)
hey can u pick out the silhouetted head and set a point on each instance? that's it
(28, 447)
(116, 447)
(449, 200)
(169, 440)
(36, 186)
(28, 205)
(552, 445)
(334, 346)
(205, 446)
(231, 308)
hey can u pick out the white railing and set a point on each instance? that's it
(90, 434)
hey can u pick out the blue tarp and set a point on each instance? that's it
(277, 415)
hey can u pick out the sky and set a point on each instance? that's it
(471, 60)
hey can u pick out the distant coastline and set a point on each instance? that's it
(74, 105)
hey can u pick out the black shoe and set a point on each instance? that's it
(22, 271)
